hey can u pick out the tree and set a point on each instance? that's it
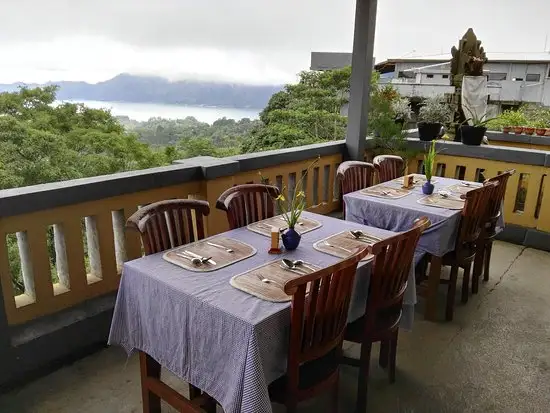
(307, 112)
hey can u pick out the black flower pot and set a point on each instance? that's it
(472, 135)
(429, 131)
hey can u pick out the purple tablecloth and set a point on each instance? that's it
(399, 214)
(222, 340)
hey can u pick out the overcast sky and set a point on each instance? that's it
(255, 41)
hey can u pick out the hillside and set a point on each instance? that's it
(151, 89)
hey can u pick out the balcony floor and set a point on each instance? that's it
(494, 357)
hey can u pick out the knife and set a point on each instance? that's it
(211, 261)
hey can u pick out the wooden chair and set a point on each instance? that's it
(388, 282)
(248, 203)
(318, 314)
(354, 176)
(164, 225)
(471, 224)
(485, 245)
(388, 167)
(167, 224)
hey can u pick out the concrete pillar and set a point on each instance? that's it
(361, 70)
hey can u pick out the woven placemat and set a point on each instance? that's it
(387, 192)
(216, 248)
(267, 281)
(436, 200)
(463, 188)
(344, 245)
(264, 227)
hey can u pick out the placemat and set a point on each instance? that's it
(267, 281)
(463, 188)
(344, 245)
(264, 227)
(436, 200)
(216, 248)
(387, 192)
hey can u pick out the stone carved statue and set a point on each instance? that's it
(468, 59)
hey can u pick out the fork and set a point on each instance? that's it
(268, 281)
(338, 246)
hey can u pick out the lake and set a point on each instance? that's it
(144, 111)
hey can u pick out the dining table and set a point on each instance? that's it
(398, 214)
(225, 341)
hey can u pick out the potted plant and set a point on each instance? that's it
(528, 130)
(473, 134)
(540, 127)
(429, 168)
(506, 129)
(432, 115)
(402, 110)
(292, 209)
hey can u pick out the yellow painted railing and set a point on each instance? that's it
(524, 145)
(525, 204)
(73, 253)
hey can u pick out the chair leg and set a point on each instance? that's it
(149, 369)
(451, 292)
(393, 356)
(384, 353)
(362, 385)
(291, 407)
(488, 250)
(466, 283)
(478, 267)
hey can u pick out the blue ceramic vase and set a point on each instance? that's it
(291, 239)
(428, 188)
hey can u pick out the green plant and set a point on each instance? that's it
(429, 161)
(401, 108)
(435, 110)
(292, 210)
(477, 121)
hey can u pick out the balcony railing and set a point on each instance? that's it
(68, 240)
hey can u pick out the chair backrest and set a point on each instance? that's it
(169, 224)
(393, 258)
(389, 167)
(354, 175)
(474, 215)
(248, 203)
(319, 310)
(495, 202)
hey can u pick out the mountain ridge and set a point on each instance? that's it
(155, 89)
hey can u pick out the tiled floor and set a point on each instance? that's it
(494, 357)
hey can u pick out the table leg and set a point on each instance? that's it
(434, 277)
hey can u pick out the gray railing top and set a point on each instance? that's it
(40, 197)
(512, 137)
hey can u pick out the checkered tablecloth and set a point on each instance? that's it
(222, 340)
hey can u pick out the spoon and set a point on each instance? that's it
(293, 265)
(203, 260)
(358, 234)
(298, 263)
(194, 260)
(220, 247)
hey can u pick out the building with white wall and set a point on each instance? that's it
(513, 79)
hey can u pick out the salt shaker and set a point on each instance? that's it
(274, 241)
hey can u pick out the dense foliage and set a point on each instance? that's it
(303, 113)
(41, 142)
(193, 138)
(530, 115)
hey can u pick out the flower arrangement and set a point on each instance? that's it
(292, 209)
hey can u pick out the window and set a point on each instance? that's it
(497, 76)
(406, 75)
(532, 77)
(430, 76)
(445, 76)
(518, 79)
